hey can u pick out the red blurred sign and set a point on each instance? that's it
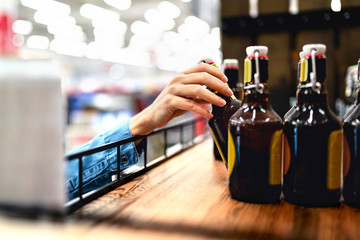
(6, 34)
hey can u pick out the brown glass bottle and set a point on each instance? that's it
(351, 163)
(219, 122)
(231, 70)
(312, 144)
(255, 133)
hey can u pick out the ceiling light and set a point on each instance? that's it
(50, 6)
(186, 1)
(68, 47)
(117, 27)
(119, 4)
(173, 39)
(34, 4)
(193, 28)
(93, 50)
(22, 27)
(64, 28)
(169, 9)
(140, 27)
(92, 11)
(197, 23)
(156, 18)
(38, 42)
(44, 17)
(336, 5)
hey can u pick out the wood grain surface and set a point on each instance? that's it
(187, 196)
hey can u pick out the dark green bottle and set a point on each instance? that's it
(312, 143)
(255, 137)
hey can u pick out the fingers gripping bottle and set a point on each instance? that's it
(312, 143)
(255, 137)
(230, 68)
(219, 122)
(351, 164)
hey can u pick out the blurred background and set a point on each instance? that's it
(115, 56)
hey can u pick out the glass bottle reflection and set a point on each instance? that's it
(255, 137)
(312, 153)
(351, 164)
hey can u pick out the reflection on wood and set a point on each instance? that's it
(187, 196)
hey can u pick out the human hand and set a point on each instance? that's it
(185, 92)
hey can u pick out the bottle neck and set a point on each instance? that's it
(309, 96)
(232, 73)
(251, 69)
(320, 67)
(253, 93)
(252, 96)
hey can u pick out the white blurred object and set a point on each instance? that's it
(254, 8)
(31, 135)
(336, 5)
(293, 7)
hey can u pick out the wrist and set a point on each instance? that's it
(140, 124)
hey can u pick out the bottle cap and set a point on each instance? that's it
(320, 48)
(230, 63)
(208, 60)
(301, 54)
(263, 50)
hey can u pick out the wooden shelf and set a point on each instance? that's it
(187, 197)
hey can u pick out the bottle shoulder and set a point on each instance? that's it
(250, 114)
(311, 116)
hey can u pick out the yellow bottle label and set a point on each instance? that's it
(346, 157)
(247, 70)
(218, 146)
(334, 160)
(287, 154)
(231, 153)
(275, 158)
(303, 70)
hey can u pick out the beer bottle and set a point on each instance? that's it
(312, 143)
(255, 137)
(351, 164)
(219, 122)
(231, 70)
(302, 81)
